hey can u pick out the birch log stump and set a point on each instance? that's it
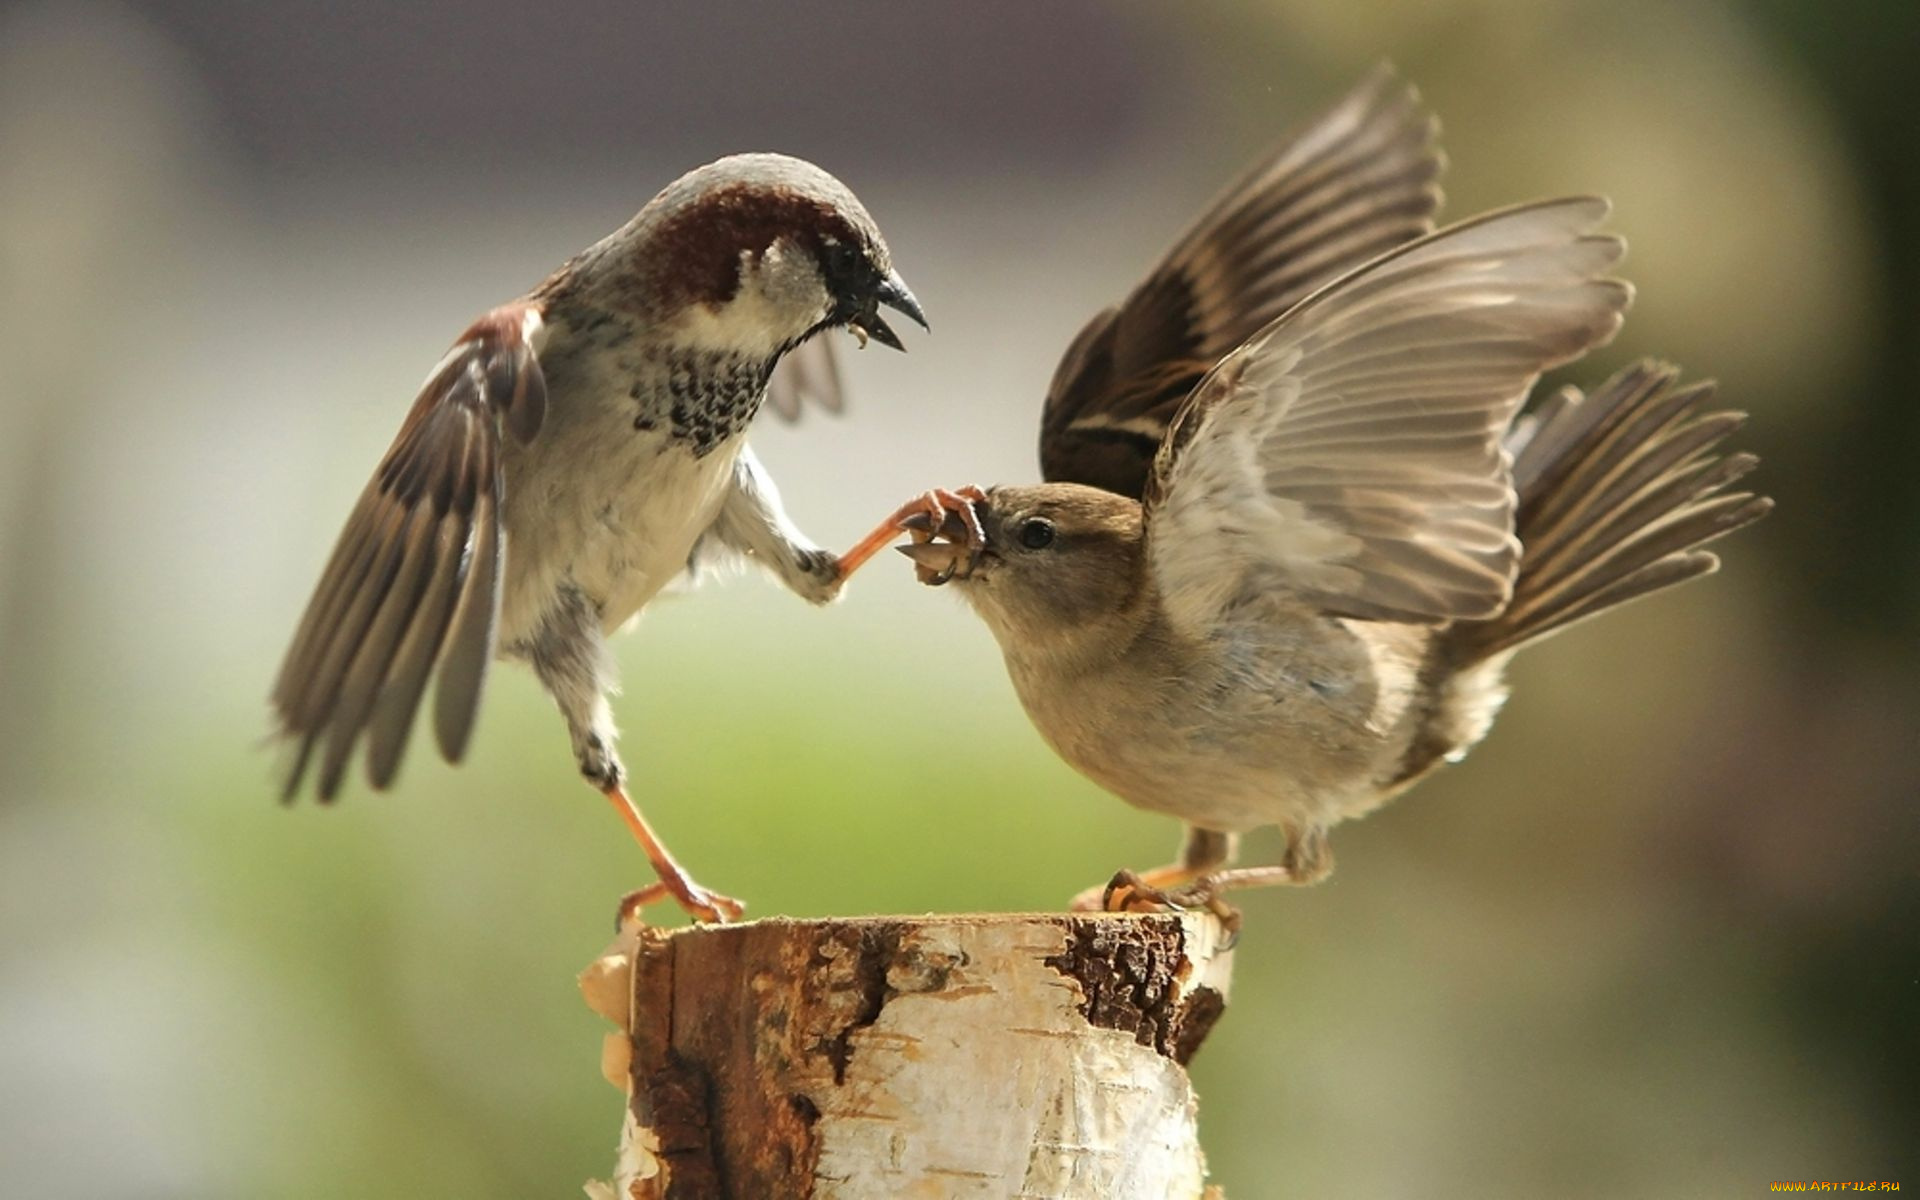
(1028, 1055)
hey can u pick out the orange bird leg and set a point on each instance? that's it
(878, 540)
(936, 504)
(697, 901)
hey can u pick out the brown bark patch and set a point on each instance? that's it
(1129, 972)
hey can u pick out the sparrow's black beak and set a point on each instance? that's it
(892, 292)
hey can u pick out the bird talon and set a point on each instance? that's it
(712, 907)
(1123, 893)
(696, 901)
(1130, 892)
(960, 504)
(700, 903)
(631, 904)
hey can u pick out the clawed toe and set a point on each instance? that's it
(712, 907)
(1127, 892)
(631, 904)
(697, 902)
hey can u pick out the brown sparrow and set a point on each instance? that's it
(1278, 571)
(571, 454)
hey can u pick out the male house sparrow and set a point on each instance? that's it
(564, 461)
(1278, 572)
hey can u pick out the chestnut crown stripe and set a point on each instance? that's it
(695, 254)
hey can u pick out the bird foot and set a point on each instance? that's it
(696, 901)
(674, 882)
(1178, 889)
(1130, 892)
(938, 511)
(947, 534)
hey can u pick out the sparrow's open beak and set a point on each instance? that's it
(937, 561)
(893, 293)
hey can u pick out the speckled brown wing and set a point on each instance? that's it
(1348, 186)
(1351, 454)
(414, 581)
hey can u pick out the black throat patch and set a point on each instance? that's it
(702, 397)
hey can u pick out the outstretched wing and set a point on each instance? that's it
(1351, 451)
(1350, 185)
(415, 578)
(807, 375)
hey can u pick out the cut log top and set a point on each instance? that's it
(1029, 1055)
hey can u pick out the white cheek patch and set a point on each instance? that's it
(781, 296)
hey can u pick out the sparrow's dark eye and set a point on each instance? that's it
(1036, 533)
(842, 260)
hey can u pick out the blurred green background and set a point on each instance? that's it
(1660, 936)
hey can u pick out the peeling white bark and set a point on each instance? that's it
(976, 1056)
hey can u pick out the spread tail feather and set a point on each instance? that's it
(1618, 491)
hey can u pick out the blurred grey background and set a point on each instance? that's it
(1660, 936)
